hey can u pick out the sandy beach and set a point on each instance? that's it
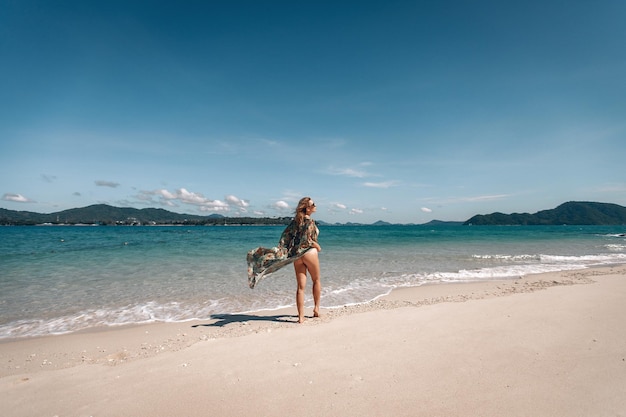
(542, 345)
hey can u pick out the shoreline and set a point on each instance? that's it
(29, 365)
(118, 344)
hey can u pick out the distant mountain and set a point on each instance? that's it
(442, 223)
(109, 215)
(571, 213)
(381, 223)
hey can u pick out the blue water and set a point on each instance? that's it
(60, 279)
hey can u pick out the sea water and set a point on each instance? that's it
(61, 279)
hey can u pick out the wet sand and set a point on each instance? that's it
(543, 345)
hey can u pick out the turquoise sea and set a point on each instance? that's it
(61, 279)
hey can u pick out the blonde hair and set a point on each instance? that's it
(303, 204)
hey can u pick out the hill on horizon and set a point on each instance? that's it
(108, 215)
(570, 213)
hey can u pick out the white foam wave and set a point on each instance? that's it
(585, 259)
(138, 314)
(357, 291)
(516, 266)
(547, 263)
(514, 258)
(499, 272)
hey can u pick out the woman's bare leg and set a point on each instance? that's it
(312, 264)
(300, 269)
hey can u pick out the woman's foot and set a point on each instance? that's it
(316, 312)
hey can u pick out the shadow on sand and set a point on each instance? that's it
(224, 319)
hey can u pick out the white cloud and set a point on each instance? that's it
(190, 197)
(184, 196)
(167, 195)
(215, 205)
(281, 205)
(231, 199)
(17, 198)
(348, 172)
(196, 199)
(356, 211)
(102, 183)
(384, 184)
(334, 208)
(426, 210)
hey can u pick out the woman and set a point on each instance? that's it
(297, 245)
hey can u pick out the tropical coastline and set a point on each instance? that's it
(443, 319)
(60, 280)
(546, 344)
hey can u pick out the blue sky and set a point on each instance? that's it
(403, 111)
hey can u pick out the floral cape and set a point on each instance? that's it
(294, 242)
